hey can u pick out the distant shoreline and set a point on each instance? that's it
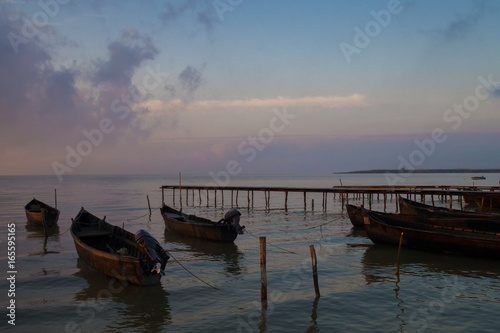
(476, 171)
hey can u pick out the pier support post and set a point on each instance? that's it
(263, 275)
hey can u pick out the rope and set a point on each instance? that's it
(246, 231)
(187, 270)
(138, 217)
(319, 226)
(65, 231)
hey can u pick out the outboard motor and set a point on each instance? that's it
(148, 245)
(232, 218)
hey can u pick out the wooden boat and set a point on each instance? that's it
(410, 207)
(473, 222)
(40, 213)
(478, 177)
(485, 200)
(116, 252)
(355, 214)
(225, 230)
(430, 237)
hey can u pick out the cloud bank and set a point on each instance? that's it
(258, 103)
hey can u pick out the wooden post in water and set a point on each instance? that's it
(305, 204)
(312, 204)
(314, 269)
(149, 205)
(263, 276)
(286, 200)
(162, 196)
(399, 253)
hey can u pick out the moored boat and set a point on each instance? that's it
(116, 252)
(484, 200)
(431, 237)
(40, 213)
(225, 230)
(410, 207)
(355, 214)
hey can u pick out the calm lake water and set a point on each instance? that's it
(359, 290)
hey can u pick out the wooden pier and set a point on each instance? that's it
(364, 194)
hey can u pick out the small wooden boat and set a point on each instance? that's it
(478, 177)
(117, 252)
(40, 213)
(355, 214)
(410, 207)
(225, 230)
(430, 237)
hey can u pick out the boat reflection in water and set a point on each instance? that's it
(49, 235)
(379, 263)
(127, 305)
(227, 253)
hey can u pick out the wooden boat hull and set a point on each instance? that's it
(42, 214)
(476, 222)
(92, 244)
(485, 201)
(409, 207)
(430, 237)
(356, 215)
(192, 226)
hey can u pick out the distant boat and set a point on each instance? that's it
(226, 230)
(40, 213)
(116, 252)
(478, 177)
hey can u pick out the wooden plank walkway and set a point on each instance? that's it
(361, 193)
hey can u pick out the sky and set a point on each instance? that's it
(230, 87)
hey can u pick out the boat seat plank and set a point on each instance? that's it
(93, 233)
(174, 216)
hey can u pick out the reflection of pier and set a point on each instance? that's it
(207, 195)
